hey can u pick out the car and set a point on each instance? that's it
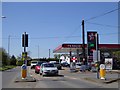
(78, 66)
(83, 68)
(37, 67)
(93, 69)
(48, 69)
(58, 65)
(33, 64)
(65, 64)
(88, 67)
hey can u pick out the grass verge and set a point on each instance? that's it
(3, 68)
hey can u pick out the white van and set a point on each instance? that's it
(33, 64)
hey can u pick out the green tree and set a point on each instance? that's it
(57, 56)
(4, 57)
(116, 60)
(13, 60)
(117, 55)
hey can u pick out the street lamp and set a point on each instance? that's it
(49, 53)
(8, 39)
(38, 51)
(9, 44)
(3, 16)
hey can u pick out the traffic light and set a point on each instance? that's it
(24, 40)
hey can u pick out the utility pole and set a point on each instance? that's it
(83, 44)
(49, 53)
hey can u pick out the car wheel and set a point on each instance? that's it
(40, 73)
(37, 72)
(56, 74)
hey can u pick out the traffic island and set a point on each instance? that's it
(107, 81)
(112, 80)
(27, 79)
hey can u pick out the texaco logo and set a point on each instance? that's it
(91, 36)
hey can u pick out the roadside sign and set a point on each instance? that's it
(24, 67)
(108, 63)
(74, 59)
(23, 71)
(102, 66)
(102, 71)
(95, 55)
(92, 42)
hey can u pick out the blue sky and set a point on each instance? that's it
(49, 24)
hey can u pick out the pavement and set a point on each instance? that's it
(28, 78)
(111, 76)
(107, 81)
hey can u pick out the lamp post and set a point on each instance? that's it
(9, 44)
(49, 53)
(38, 51)
(3, 16)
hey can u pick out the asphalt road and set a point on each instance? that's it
(65, 79)
(9, 76)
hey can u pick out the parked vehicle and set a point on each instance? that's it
(48, 69)
(93, 69)
(37, 67)
(58, 65)
(65, 64)
(85, 67)
(78, 66)
(33, 64)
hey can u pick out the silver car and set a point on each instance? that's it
(48, 69)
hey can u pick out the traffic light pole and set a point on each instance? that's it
(24, 55)
(25, 48)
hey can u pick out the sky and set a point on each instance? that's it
(50, 24)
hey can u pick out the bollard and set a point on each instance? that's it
(102, 71)
(23, 71)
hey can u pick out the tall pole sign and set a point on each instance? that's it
(91, 44)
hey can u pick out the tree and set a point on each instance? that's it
(4, 57)
(117, 55)
(57, 56)
(116, 59)
(13, 60)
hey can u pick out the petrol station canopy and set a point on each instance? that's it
(66, 48)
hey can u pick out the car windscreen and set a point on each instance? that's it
(34, 62)
(49, 65)
(57, 63)
(39, 63)
(78, 64)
